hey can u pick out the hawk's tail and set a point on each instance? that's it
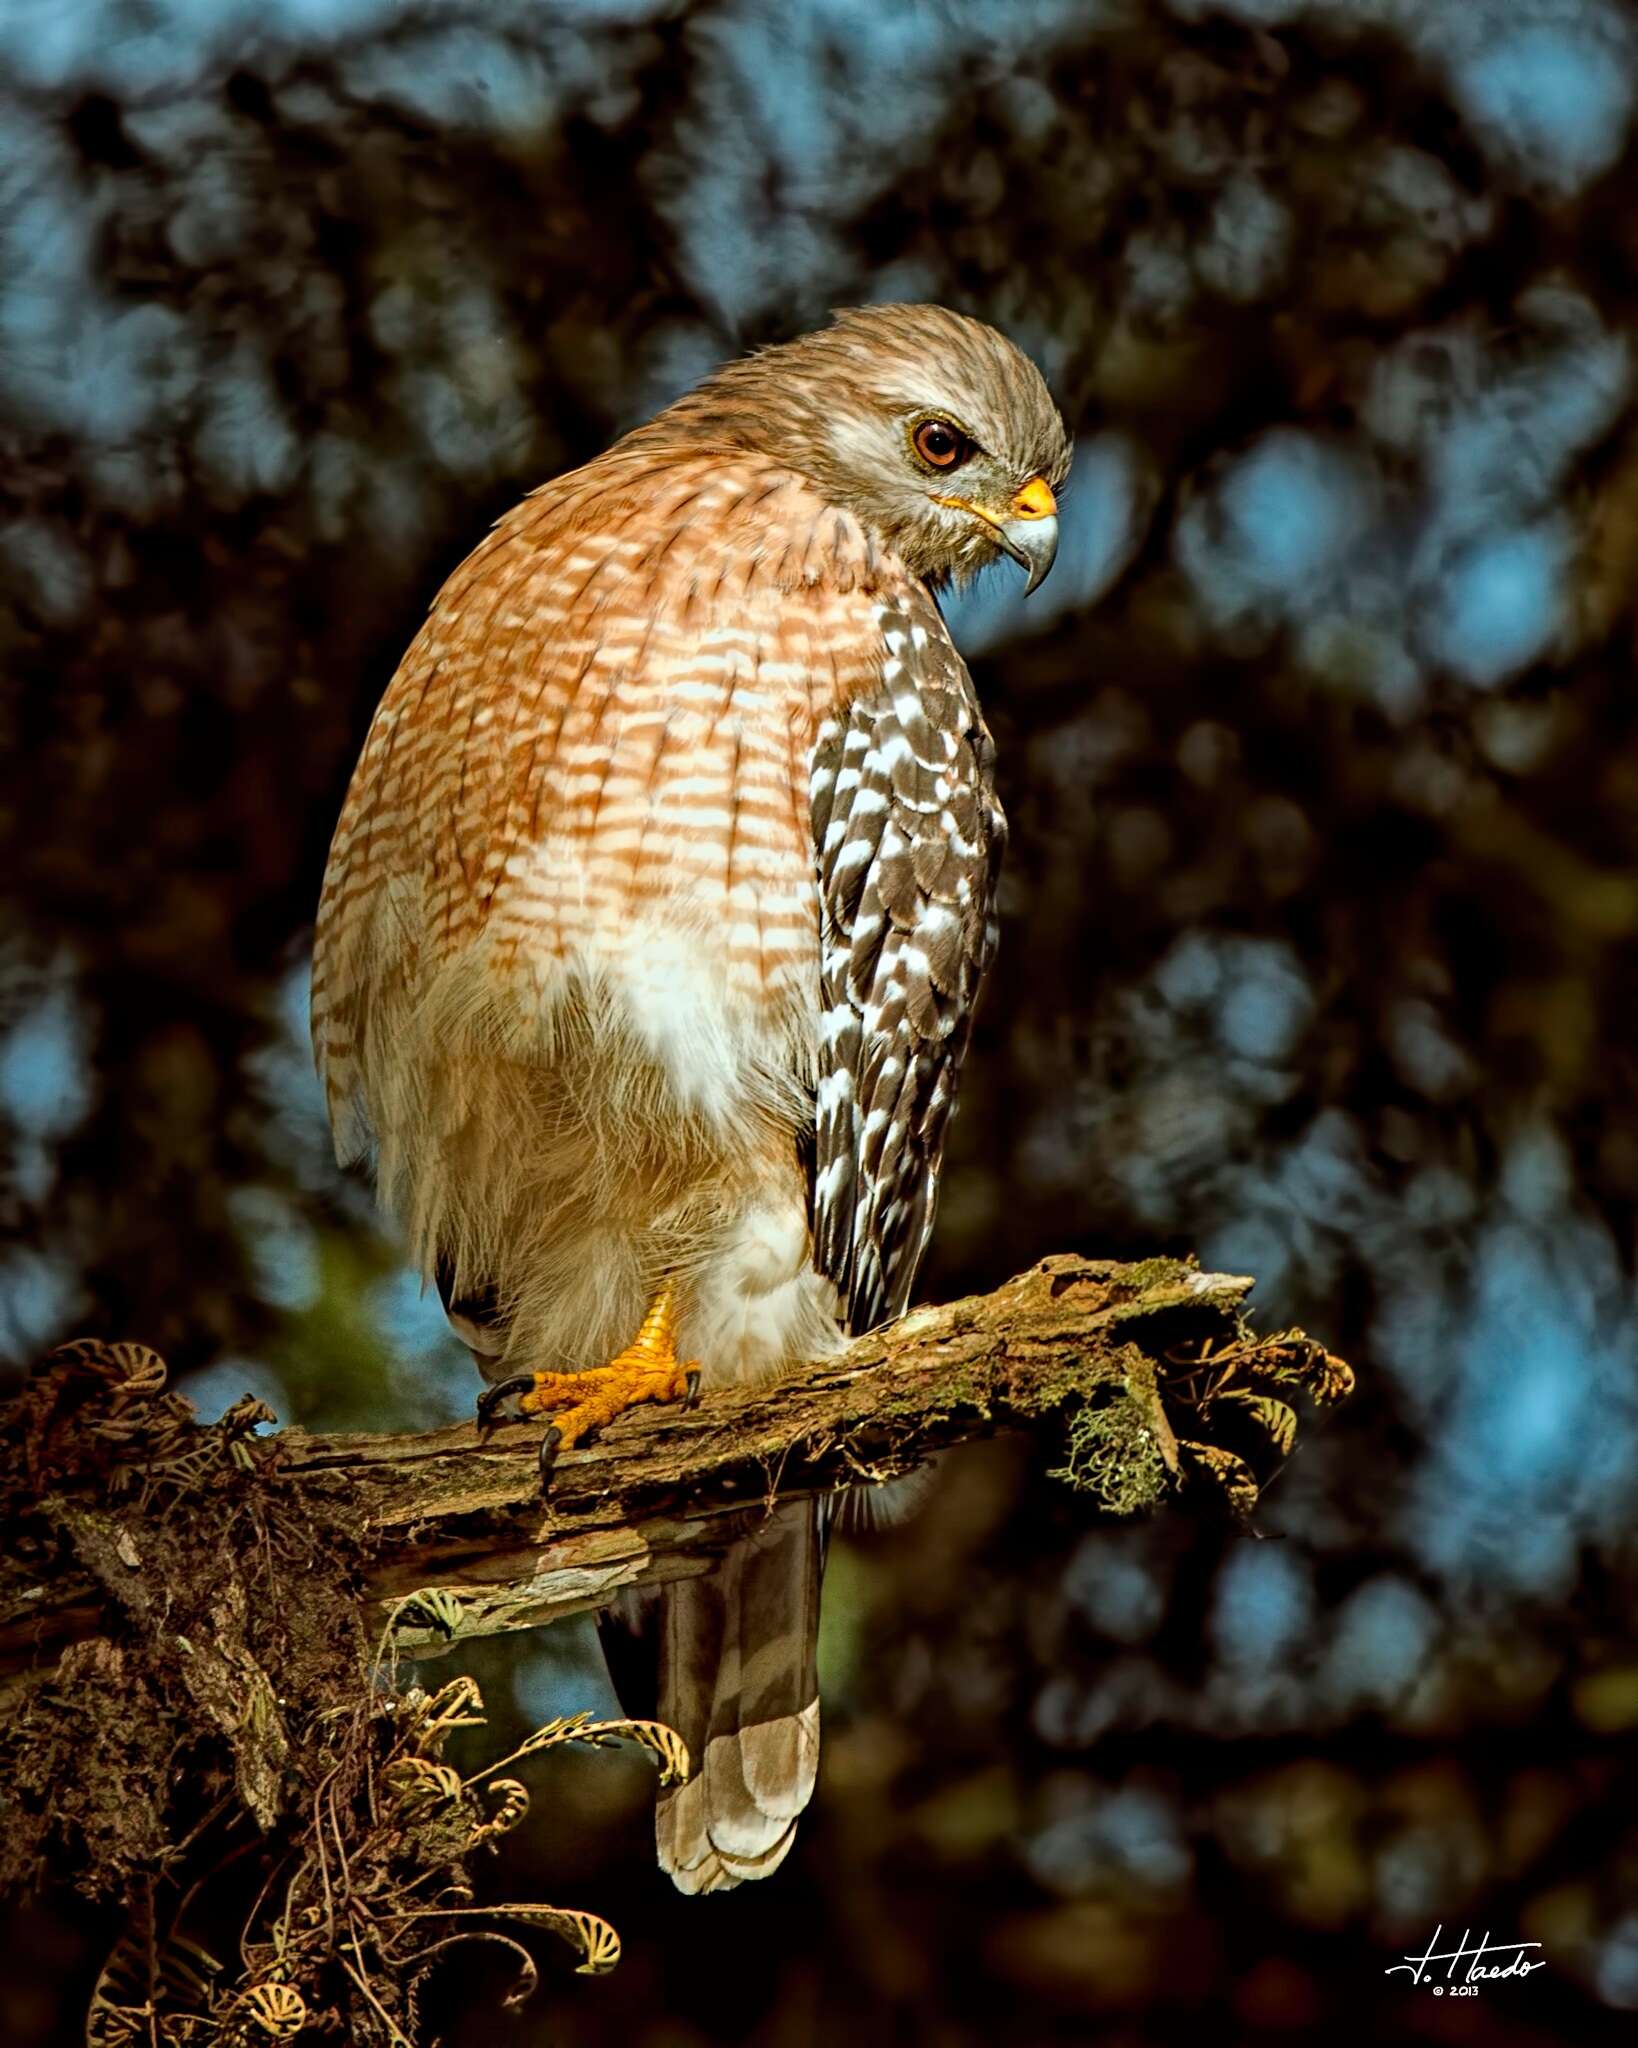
(731, 1662)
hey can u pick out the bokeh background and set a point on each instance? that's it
(1321, 752)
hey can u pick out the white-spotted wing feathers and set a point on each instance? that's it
(908, 835)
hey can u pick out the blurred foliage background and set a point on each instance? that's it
(1321, 757)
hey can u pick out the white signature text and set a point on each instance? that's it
(1485, 1960)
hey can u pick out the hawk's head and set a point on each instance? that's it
(930, 428)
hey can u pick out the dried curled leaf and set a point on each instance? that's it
(123, 1372)
(117, 2026)
(663, 1742)
(432, 1607)
(432, 1719)
(666, 1744)
(418, 1785)
(89, 1407)
(1277, 1417)
(597, 1941)
(1333, 1380)
(1215, 1378)
(238, 1426)
(1232, 1474)
(140, 1993)
(277, 2009)
(511, 1804)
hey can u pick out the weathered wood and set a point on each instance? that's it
(459, 1541)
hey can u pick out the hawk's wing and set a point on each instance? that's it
(909, 836)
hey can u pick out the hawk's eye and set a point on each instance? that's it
(940, 445)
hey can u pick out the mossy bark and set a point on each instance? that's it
(1104, 1358)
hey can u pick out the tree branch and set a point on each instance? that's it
(1150, 1369)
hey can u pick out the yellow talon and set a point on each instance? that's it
(581, 1402)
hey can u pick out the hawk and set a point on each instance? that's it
(652, 931)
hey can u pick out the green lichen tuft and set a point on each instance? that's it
(1114, 1454)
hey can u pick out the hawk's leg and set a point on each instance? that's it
(581, 1402)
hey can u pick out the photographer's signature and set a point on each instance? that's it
(1485, 1961)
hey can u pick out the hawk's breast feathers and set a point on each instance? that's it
(678, 731)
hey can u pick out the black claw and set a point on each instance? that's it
(692, 1398)
(548, 1454)
(490, 1401)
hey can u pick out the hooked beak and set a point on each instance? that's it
(1028, 531)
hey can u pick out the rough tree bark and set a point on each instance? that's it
(1150, 1367)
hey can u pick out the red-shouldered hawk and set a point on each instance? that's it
(652, 932)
